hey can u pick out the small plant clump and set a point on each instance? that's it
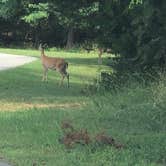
(73, 136)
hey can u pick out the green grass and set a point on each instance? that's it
(31, 113)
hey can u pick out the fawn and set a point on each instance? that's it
(58, 64)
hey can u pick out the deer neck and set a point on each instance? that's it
(42, 52)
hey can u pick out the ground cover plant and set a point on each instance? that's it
(31, 113)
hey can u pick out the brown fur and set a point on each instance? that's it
(72, 136)
(53, 63)
(66, 125)
(102, 138)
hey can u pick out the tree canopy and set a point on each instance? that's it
(135, 29)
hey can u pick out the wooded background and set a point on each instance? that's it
(133, 29)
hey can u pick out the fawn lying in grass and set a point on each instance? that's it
(54, 63)
(73, 136)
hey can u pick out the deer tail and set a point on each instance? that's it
(66, 65)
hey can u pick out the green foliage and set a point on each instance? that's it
(8, 8)
(36, 12)
(135, 29)
(150, 35)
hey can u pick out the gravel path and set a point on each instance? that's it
(11, 61)
(4, 164)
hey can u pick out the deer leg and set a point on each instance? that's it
(61, 82)
(67, 79)
(67, 76)
(45, 74)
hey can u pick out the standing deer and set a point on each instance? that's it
(58, 64)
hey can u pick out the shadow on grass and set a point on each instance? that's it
(24, 86)
(86, 61)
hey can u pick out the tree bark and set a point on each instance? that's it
(70, 38)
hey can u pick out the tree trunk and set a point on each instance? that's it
(70, 38)
(37, 35)
(100, 56)
(36, 42)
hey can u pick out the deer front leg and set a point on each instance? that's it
(45, 74)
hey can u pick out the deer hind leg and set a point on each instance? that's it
(61, 82)
(64, 74)
(45, 78)
(67, 80)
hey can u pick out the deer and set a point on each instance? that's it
(54, 63)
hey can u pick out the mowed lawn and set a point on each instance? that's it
(31, 113)
(22, 88)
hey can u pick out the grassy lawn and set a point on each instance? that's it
(31, 113)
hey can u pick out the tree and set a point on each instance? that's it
(11, 25)
(134, 29)
(72, 15)
(36, 17)
(149, 27)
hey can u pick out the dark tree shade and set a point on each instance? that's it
(135, 29)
